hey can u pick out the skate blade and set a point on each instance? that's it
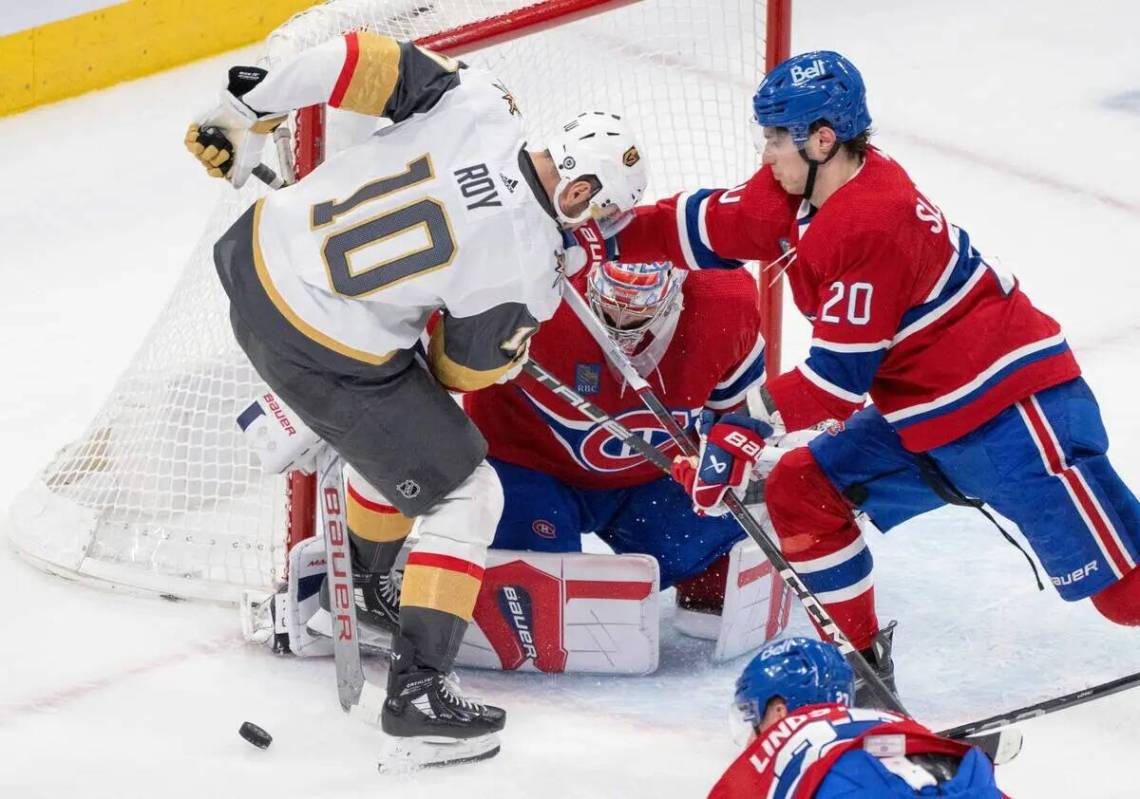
(401, 755)
(372, 641)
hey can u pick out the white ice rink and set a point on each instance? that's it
(1020, 118)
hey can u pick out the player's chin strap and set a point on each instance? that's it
(814, 165)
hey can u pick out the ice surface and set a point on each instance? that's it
(1015, 117)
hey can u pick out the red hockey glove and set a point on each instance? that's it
(730, 447)
(591, 248)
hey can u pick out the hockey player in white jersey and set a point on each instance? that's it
(332, 280)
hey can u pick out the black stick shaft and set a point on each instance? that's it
(1044, 707)
(742, 515)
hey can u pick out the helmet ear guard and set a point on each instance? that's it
(598, 144)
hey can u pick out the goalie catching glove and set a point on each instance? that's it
(228, 141)
(730, 449)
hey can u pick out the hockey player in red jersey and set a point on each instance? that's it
(976, 392)
(696, 338)
(806, 742)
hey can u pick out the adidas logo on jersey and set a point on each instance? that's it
(510, 183)
(801, 75)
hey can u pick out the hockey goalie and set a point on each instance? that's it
(545, 605)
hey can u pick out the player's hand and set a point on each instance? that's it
(730, 447)
(228, 140)
(591, 249)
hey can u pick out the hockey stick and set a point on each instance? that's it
(598, 416)
(1001, 746)
(356, 693)
(743, 516)
(1044, 707)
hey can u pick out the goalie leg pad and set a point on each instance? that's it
(756, 608)
(567, 612)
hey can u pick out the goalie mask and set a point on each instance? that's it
(634, 299)
(599, 144)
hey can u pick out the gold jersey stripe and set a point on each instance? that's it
(291, 316)
(439, 589)
(374, 525)
(375, 76)
(455, 375)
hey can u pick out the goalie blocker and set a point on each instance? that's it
(547, 612)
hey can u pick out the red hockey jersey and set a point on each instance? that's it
(791, 758)
(715, 356)
(902, 306)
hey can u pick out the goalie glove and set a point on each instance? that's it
(730, 448)
(228, 141)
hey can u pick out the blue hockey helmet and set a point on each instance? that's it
(807, 88)
(801, 671)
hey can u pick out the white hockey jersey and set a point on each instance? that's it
(438, 211)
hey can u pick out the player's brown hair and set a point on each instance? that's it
(857, 146)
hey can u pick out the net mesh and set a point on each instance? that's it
(160, 493)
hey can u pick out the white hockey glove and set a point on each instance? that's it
(277, 435)
(229, 140)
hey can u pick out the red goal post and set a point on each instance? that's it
(161, 494)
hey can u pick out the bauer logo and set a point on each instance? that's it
(1075, 576)
(587, 378)
(516, 607)
(801, 75)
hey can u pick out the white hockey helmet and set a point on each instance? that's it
(598, 143)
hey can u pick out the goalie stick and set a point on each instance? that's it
(1000, 746)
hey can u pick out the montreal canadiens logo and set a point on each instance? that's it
(602, 451)
(542, 528)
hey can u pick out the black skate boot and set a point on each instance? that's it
(431, 722)
(377, 609)
(378, 600)
(878, 655)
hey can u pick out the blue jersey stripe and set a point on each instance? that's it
(989, 384)
(850, 371)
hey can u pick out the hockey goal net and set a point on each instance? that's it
(160, 494)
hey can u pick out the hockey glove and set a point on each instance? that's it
(228, 141)
(588, 247)
(730, 448)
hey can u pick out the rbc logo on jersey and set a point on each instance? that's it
(588, 378)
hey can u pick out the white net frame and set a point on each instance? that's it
(160, 494)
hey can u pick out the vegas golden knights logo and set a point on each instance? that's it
(631, 156)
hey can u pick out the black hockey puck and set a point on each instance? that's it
(255, 735)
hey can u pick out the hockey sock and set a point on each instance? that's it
(1120, 602)
(819, 536)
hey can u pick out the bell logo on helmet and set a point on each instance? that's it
(801, 75)
(631, 156)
